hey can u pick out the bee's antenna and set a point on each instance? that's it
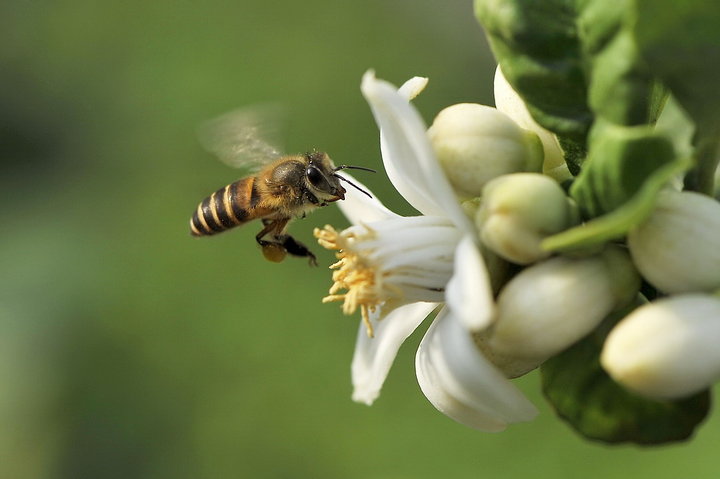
(351, 167)
(350, 182)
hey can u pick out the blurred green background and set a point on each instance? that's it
(129, 349)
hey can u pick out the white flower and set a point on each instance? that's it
(667, 349)
(387, 264)
(397, 270)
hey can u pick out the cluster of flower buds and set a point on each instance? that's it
(664, 349)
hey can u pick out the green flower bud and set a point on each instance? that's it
(518, 211)
(666, 349)
(549, 306)
(677, 249)
(476, 143)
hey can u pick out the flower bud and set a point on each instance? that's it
(666, 349)
(518, 211)
(476, 143)
(509, 102)
(511, 366)
(549, 306)
(677, 249)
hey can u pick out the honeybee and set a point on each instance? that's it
(278, 188)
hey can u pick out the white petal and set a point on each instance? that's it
(509, 102)
(413, 87)
(468, 293)
(397, 151)
(462, 384)
(358, 207)
(409, 160)
(374, 356)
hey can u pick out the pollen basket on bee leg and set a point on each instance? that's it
(274, 252)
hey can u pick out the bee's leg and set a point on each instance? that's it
(273, 250)
(311, 198)
(262, 233)
(296, 248)
(287, 242)
(270, 226)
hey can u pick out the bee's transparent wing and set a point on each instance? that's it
(245, 138)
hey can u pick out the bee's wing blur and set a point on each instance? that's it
(246, 138)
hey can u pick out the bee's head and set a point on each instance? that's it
(322, 175)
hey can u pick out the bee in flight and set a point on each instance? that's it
(278, 188)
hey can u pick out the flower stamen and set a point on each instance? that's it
(389, 264)
(351, 273)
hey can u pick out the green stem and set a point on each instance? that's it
(616, 224)
(702, 177)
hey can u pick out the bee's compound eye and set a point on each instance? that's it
(314, 176)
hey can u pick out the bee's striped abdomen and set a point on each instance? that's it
(222, 210)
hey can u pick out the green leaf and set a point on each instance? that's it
(538, 50)
(620, 160)
(675, 125)
(599, 408)
(577, 64)
(621, 88)
(707, 158)
(570, 62)
(574, 154)
(625, 170)
(616, 224)
(680, 43)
